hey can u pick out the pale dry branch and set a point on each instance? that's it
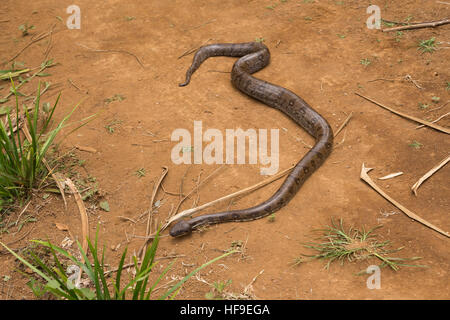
(38, 38)
(195, 188)
(115, 51)
(365, 177)
(431, 24)
(150, 211)
(434, 121)
(390, 176)
(191, 211)
(343, 124)
(438, 108)
(429, 174)
(424, 122)
(188, 52)
(84, 218)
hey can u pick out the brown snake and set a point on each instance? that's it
(254, 57)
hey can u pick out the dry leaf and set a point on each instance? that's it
(87, 149)
(61, 226)
(392, 175)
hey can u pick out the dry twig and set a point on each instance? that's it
(409, 78)
(191, 211)
(438, 108)
(431, 24)
(390, 176)
(424, 122)
(343, 124)
(38, 38)
(195, 188)
(429, 174)
(188, 52)
(114, 51)
(434, 121)
(84, 219)
(365, 177)
(150, 211)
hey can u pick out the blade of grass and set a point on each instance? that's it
(119, 274)
(148, 260)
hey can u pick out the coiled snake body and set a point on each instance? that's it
(254, 57)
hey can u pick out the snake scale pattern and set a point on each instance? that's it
(254, 56)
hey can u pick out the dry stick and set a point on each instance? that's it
(429, 174)
(150, 211)
(364, 176)
(182, 182)
(83, 213)
(47, 51)
(170, 214)
(73, 84)
(127, 219)
(336, 145)
(150, 237)
(248, 288)
(84, 219)
(405, 78)
(42, 36)
(195, 188)
(188, 52)
(438, 108)
(343, 124)
(201, 25)
(56, 176)
(434, 121)
(114, 51)
(409, 78)
(390, 176)
(384, 79)
(424, 122)
(219, 71)
(170, 192)
(172, 211)
(431, 24)
(16, 123)
(22, 212)
(194, 204)
(191, 211)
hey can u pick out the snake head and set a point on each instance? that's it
(181, 228)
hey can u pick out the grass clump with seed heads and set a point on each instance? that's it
(338, 244)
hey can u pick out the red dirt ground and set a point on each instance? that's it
(316, 48)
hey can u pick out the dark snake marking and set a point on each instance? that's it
(254, 57)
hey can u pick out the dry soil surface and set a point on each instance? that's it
(125, 63)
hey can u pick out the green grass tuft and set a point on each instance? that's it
(338, 244)
(428, 45)
(137, 287)
(22, 160)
